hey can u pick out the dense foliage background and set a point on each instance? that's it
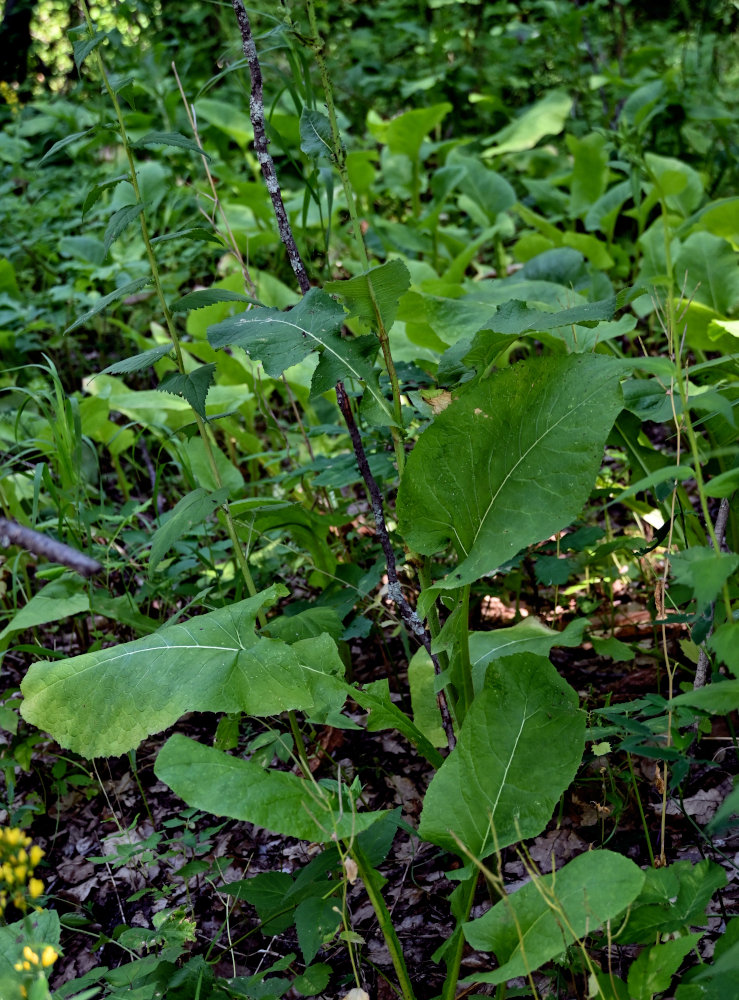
(548, 191)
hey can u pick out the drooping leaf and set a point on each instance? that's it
(68, 140)
(510, 462)
(192, 386)
(119, 221)
(208, 297)
(315, 134)
(195, 233)
(537, 923)
(105, 702)
(211, 780)
(499, 784)
(169, 139)
(128, 289)
(374, 295)
(725, 643)
(139, 361)
(342, 358)
(546, 117)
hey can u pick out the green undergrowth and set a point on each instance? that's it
(507, 377)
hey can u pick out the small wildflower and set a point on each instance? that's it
(48, 956)
(18, 860)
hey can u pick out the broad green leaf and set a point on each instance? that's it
(211, 780)
(405, 133)
(139, 361)
(316, 977)
(704, 571)
(120, 293)
(342, 359)
(315, 134)
(374, 295)
(426, 715)
(518, 749)
(169, 139)
(718, 698)
(515, 317)
(712, 272)
(537, 923)
(486, 188)
(192, 386)
(103, 703)
(510, 462)
(654, 967)
(680, 184)
(589, 170)
(59, 599)
(725, 644)
(672, 900)
(546, 117)
(223, 115)
(119, 221)
(527, 636)
(193, 510)
(208, 297)
(281, 339)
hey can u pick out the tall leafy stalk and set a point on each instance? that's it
(205, 436)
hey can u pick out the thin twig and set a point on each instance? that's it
(261, 145)
(410, 617)
(12, 533)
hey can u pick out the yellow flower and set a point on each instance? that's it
(30, 955)
(48, 956)
(35, 855)
(35, 887)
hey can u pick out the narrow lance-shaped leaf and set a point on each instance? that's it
(510, 462)
(105, 702)
(518, 749)
(105, 301)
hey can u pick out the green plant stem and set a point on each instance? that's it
(168, 318)
(640, 808)
(367, 874)
(454, 962)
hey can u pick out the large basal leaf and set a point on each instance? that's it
(527, 636)
(510, 462)
(538, 922)
(211, 780)
(518, 749)
(105, 702)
